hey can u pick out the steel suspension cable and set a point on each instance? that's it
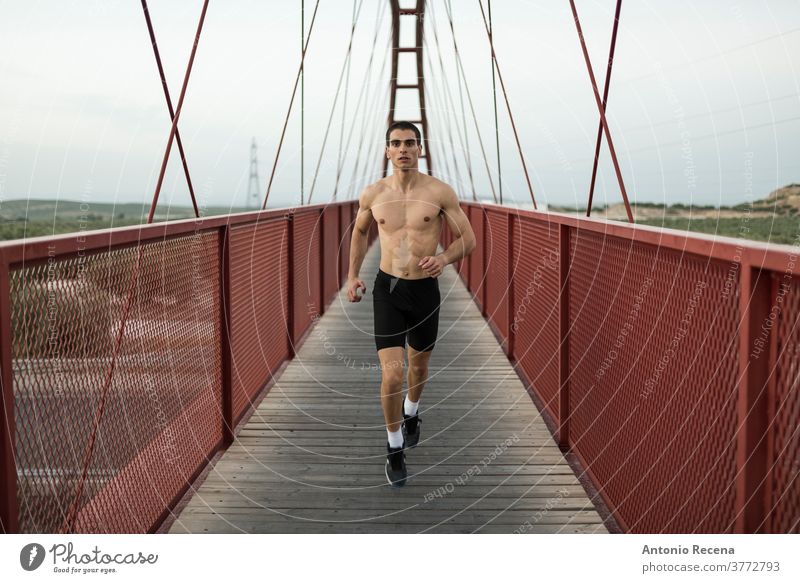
(381, 114)
(339, 158)
(494, 98)
(436, 93)
(348, 55)
(451, 102)
(340, 166)
(446, 97)
(302, 96)
(375, 142)
(469, 99)
(371, 108)
(463, 129)
(291, 103)
(434, 122)
(508, 105)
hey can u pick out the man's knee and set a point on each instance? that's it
(419, 370)
(393, 376)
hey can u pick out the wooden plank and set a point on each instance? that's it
(222, 526)
(423, 518)
(453, 505)
(310, 459)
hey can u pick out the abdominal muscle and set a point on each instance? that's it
(401, 254)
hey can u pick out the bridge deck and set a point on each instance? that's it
(311, 457)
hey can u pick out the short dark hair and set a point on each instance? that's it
(404, 125)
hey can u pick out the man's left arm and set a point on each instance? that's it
(463, 237)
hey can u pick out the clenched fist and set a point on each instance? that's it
(353, 285)
(432, 265)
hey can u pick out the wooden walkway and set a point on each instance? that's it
(311, 458)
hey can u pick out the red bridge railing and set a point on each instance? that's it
(220, 304)
(668, 362)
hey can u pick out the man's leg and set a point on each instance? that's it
(422, 335)
(417, 377)
(392, 364)
(392, 402)
(390, 334)
(417, 372)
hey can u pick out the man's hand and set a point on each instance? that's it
(433, 265)
(352, 289)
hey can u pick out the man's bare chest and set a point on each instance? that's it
(393, 212)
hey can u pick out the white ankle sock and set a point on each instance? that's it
(410, 407)
(395, 437)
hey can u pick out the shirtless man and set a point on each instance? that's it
(409, 208)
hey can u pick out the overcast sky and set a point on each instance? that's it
(704, 104)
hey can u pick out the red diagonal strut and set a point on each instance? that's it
(605, 104)
(602, 112)
(169, 105)
(175, 117)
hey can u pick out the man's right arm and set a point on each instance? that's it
(358, 243)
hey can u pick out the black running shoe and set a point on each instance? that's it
(411, 429)
(396, 466)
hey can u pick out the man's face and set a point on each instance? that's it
(403, 149)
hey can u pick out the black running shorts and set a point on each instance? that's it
(405, 306)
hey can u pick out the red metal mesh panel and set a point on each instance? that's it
(306, 270)
(162, 414)
(497, 270)
(535, 314)
(331, 252)
(653, 356)
(476, 273)
(259, 286)
(784, 490)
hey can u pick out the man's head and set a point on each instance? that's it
(403, 145)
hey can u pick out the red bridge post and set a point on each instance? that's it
(9, 520)
(290, 339)
(755, 305)
(563, 337)
(322, 259)
(226, 336)
(510, 290)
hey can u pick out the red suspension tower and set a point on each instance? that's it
(418, 14)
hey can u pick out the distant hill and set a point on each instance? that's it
(786, 200)
(773, 219)
(783, 202)
(33, 218)
(47, 210)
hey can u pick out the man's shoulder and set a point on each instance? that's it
(440, 188)
(377, 187)
(370, 191)
(436, 183)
